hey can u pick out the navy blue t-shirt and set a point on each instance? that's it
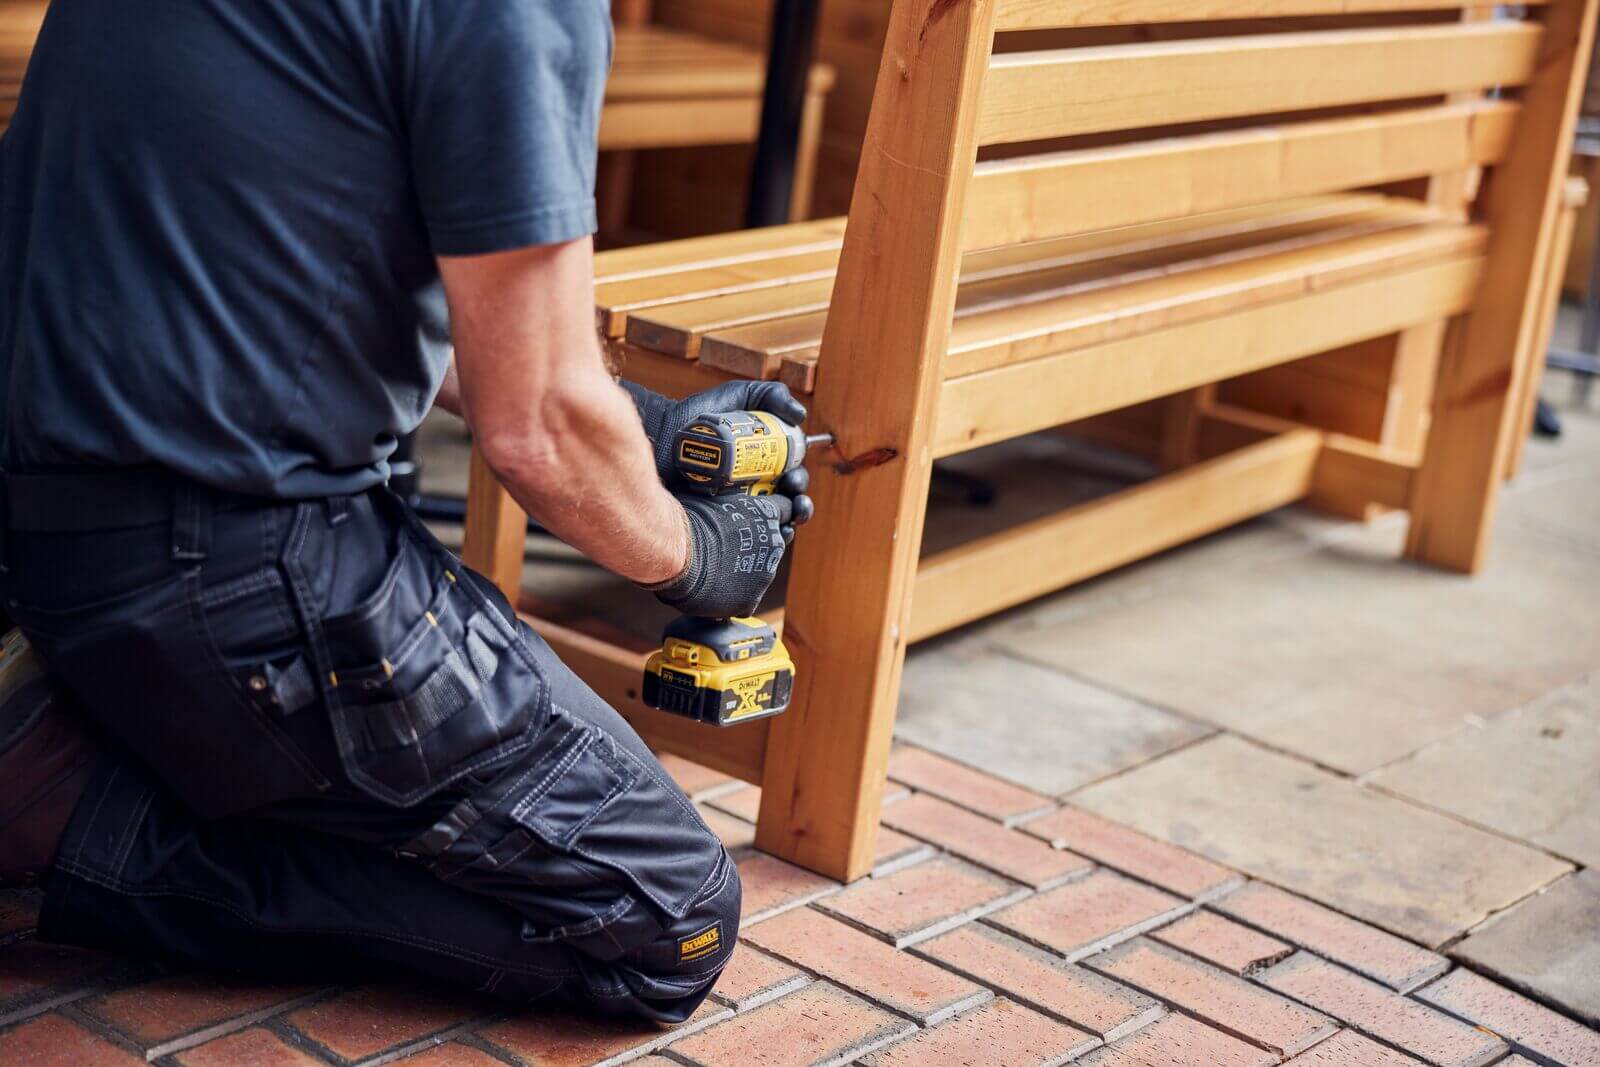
(218, 220)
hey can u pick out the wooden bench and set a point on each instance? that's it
(19, 27)
(670, 88)
(1070, 209)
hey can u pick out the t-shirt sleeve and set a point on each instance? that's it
(502, 107)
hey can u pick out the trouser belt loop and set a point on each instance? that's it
(191, 524)
(338, 508)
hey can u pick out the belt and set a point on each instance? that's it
(112, 499)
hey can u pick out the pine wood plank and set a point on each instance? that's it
(1015, 15)
(1066, 92)
(495, 537)
(853, 572)
(777, 338)
(718, 250)
(1351, 475)
(994, 405)
(1035, 197)
(1017, 565)
(1457, 490)
(1203, 289)
(615, 301)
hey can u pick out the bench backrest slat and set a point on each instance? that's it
(1064, 92)
(1052, 14)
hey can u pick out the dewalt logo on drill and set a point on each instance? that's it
(698, 946)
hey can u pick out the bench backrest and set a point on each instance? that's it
(998, 122)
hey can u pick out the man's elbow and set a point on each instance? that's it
(541, 444)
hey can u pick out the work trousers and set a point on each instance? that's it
(335, 750)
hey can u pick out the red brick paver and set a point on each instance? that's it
(19, 913)
(1420, 1030)
(199, 1006)
(1000, 1033)
(866, 965)
(572, 1040)
(1043, 981)
(1223, 942)
(35, 977)
(893, 850)
(1527, 1025)
(772, 886)
(1016, 855)
(1133, 853)
(255, 1047)
(959, 784)
(920, 902)
(743, 803)
(1365, 949)
(56, 1041)
(452, 1054)
(752, 978)
(1088, 915)
(695, 780)
(1179, 1041)
(1222, 1000)
(819, 1024)
(735, 833)
(1350, 1049)
(366, 1021)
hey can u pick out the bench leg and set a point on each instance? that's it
(495, 537)
(845, 623)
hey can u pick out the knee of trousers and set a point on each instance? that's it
(695, 948)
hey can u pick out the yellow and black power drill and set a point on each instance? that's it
(728, 671)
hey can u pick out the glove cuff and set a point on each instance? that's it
(689, 578)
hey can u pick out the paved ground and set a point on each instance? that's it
(1274, 797)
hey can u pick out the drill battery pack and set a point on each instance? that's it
(720, 671)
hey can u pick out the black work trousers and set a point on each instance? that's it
(334, 748)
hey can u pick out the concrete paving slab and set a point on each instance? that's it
(1344, 654)
(1532, 773)
(1548, 946)
(1026, 723)
(1411, 871)
(1563, 503)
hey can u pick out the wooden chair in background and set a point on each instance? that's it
(674, 89)
(1170, 195)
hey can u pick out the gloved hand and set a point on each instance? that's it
(663, 417)
(735, 545)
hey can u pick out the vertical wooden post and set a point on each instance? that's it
(850, 589)
(1551, 281)
(1457, 488)
(496, 533)
(805, 158)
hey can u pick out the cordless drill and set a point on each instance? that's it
(728, 671)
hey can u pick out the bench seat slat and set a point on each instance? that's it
(1020, 398)
(704, 299)
(1066, 92)
(1037, 197)
(996, 297)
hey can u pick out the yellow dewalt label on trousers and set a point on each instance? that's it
(698, 946)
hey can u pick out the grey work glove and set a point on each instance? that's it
(735, 546)
(663, 417)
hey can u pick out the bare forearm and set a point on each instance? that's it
(590, 480)
(557, 431)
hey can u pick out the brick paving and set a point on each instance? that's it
(1049, 937)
